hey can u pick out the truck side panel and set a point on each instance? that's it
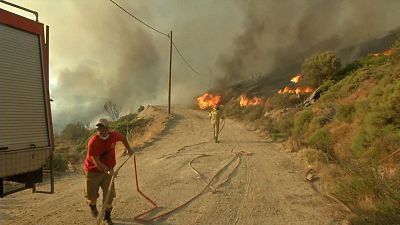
(26, 136)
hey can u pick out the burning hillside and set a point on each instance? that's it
(296, 90)
(387, 52)
(245, 101)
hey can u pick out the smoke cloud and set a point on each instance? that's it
(279, 35)
(124, 67)
(98, 53)
(111, 56)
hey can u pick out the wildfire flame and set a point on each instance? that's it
(244, 101)
(387, 52)
(208, 100)
(298, 90)
(296, 79)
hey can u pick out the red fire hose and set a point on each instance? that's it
(139, 217)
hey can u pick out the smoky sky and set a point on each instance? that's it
(281, 34)
(98, 53)
(125, 69)
(102, 54)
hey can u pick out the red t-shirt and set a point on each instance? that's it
(103, 148)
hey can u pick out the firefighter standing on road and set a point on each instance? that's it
(215, 117)
(99, 166)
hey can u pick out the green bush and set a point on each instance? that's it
(253, 113)
(345, 113)
(365, 182)
(354, 82)
(360, 142)
(285, 125)
(321, 139)
(60, 165)
(383, 146)
(345, 87)
(374, 61)
(395, 57)
(327, 85)
(281, 127)
(361, 108)
(301, 122)
(318, 122)
(349, 69)
(377, 135)
(123, 124)
(280, 101)
(320, 67)
(75, 132)
(314, 156)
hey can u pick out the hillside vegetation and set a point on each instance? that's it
(351, 134)
(71, 143)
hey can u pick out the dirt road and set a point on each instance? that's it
(265, 187)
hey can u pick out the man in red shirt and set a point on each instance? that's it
(99, 166)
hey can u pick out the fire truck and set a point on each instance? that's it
(26, 129)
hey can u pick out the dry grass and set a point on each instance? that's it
(343, 134)
(360, 93)
(139, 138)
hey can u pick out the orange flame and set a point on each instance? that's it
(296, 79)
(208, 100)
(387, 52)
(244, 101)
(285, 90)
(296, 91)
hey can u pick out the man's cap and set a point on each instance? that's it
(102, 122)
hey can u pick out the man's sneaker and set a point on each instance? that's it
(93, 210)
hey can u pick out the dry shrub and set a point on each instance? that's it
(293, 144)
(342, 133)
(147, 133)
(312, 156)
(321, 139)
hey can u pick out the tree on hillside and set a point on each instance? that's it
(320, 67)
(74, 132)
(113, 110)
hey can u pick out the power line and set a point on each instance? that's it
(139, 19)
(183, 58)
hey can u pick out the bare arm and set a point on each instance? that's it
(127, 146)
(101, 166)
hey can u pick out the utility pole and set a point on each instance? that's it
(170, 69)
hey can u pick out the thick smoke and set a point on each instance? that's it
(110, 56)
(281, 34)
(125, 68)
(98, 53)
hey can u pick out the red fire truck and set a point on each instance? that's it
(26, 130)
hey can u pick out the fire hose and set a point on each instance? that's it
(215, 189)
(142, 220)
(139, 217)
(108, 195)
